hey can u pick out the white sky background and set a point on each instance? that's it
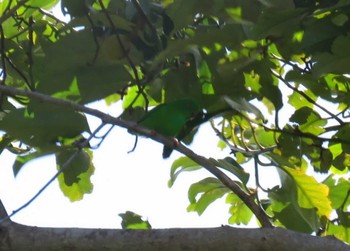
(136, 182)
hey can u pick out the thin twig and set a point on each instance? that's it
(256, 168)
(64, 166)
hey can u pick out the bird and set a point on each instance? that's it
(169, 119)
(191, 126)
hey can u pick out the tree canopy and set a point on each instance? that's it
(272, 78)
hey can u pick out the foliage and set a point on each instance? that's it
(132, 220)
(271, 76)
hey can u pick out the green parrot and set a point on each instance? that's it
(169, 119)
(192, 125)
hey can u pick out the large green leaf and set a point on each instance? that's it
(77, 167)
(338, 191)
(182, 164)
(335, 62)
(74, 64)
(277, 22)
(285, 208)
(208, 190)
(311, 194)
(43, 125)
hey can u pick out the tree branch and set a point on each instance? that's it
(18, 237)
(207, 164)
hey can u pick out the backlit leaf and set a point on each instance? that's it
(131, 220)
(74, 180)
(311, 194)
(208, 190)
(182, 164)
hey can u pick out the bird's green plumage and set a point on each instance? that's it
(169, 118)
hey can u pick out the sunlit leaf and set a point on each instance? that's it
(131, 220)
(208, 190)
(182, 164)
(338, 191)
(309, 121)
(43, 125)
(77, 168)
(340, 232)
(311, 194)
(240, 213)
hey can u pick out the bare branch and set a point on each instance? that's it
(18, 237)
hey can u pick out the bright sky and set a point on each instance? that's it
(136, 182)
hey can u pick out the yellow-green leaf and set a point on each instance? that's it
(311, 194)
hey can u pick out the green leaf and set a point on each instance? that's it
(131, 220)
(74, 180)
(291, 219)
(200, 39)
(311, 194)
(277, 22)
(240, 213)
(208, 190)
(341, 161)
(24, 159)
(286, 210)
(317, 86)
(229, 164)
(43, 125)
(298, 101)
(338, 231)
(182, 164)
(47, 4)
(321, 159)
(344, 218)
(338, 191)
(71, 63)
(309, 121)
(343, 133)
(335, 62)
(265, 138)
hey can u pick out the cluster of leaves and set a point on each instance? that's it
(250, 64)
